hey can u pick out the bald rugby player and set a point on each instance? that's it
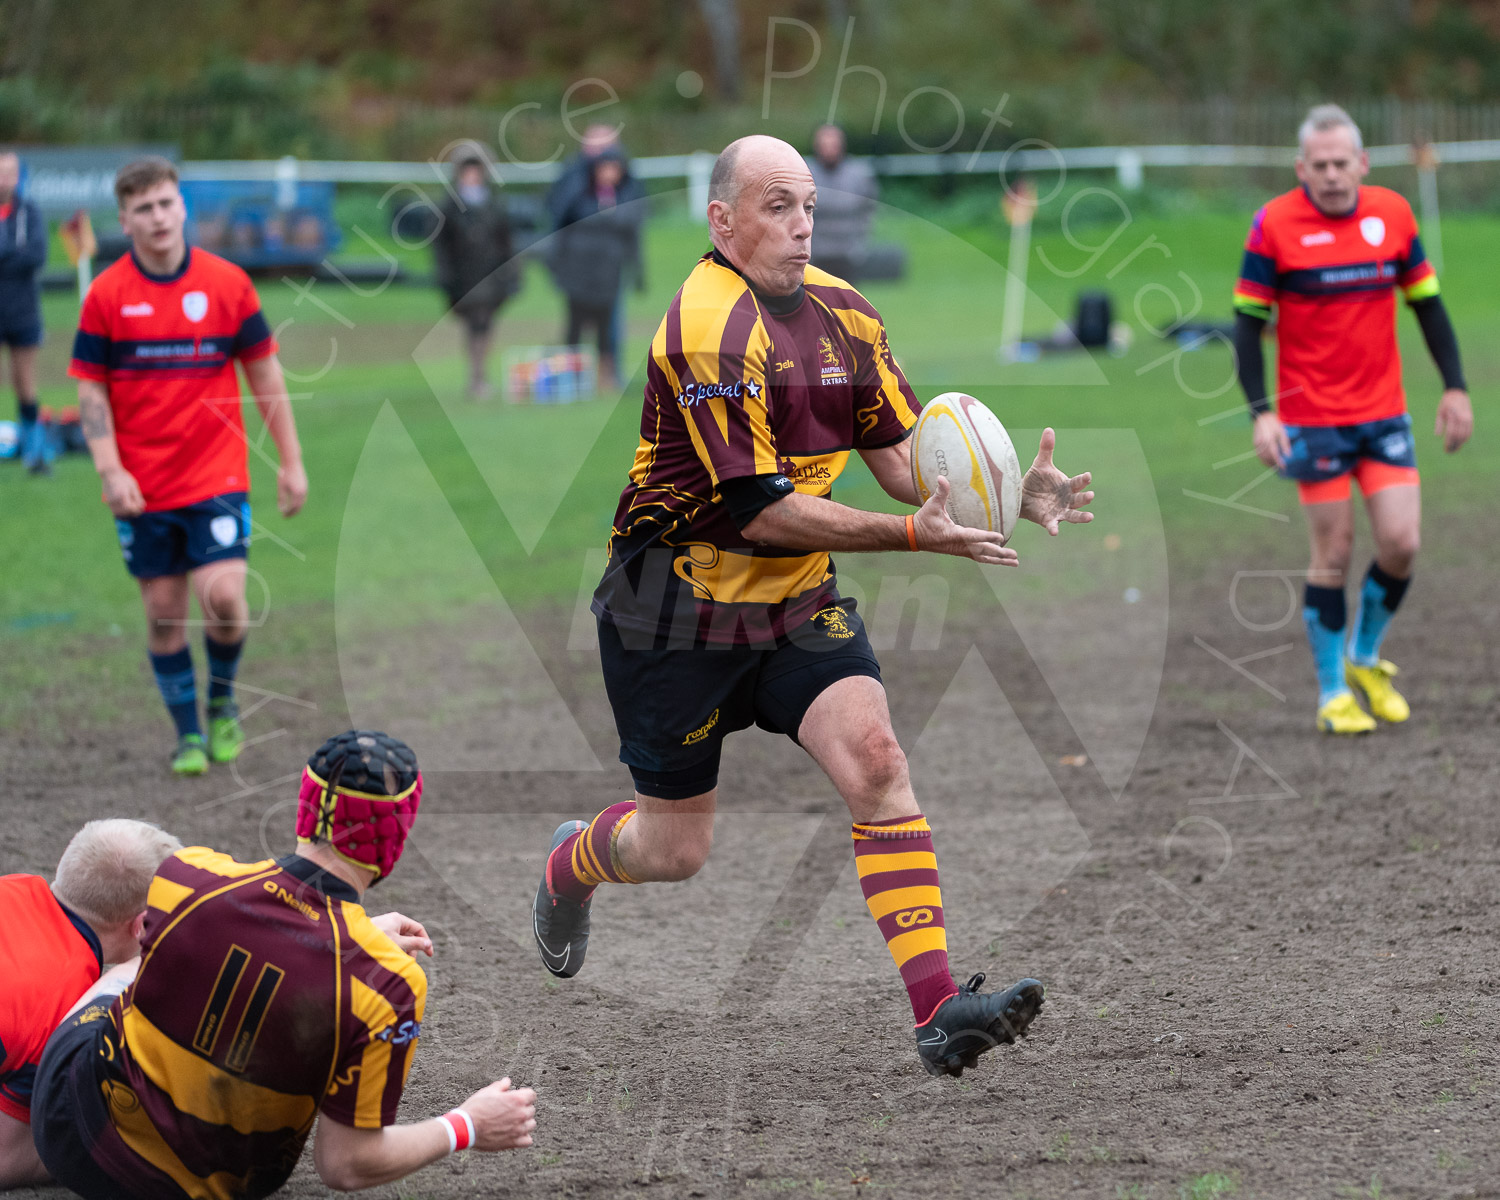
(719, 608)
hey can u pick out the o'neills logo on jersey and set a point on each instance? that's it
(143, 309)
(1323, 237)
(829, 362)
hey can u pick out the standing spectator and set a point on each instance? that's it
(23, 250)
(475, 263)
(573, 181)
(598, 242)
(846, 203)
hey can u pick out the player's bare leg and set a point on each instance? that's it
(668, 840)
(847, 730)
(220, 589)
(20, 1166)
(1330, 528)
(1396, 523)
(165, 598)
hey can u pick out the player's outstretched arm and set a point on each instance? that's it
(349, 1159)
(269, 388)
(798, 522)
(96, 419)
(1051, 498)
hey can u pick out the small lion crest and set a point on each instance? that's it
(827, 354)
(836, 623)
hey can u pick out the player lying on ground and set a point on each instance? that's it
(1330, 255)
(159, 403)
(719, 608)
(264, 997)
(54, 942)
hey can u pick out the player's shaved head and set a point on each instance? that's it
(760, 203)
(106, 871)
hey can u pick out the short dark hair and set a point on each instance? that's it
(135, 177)
(722, 184)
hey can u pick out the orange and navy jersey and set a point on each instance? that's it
(165, 349)
(1332, 281)
(48, 958)
(742, 385)
(265, 996)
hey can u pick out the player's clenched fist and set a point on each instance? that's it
(503, 1117)
(122, 493)
(938, 532)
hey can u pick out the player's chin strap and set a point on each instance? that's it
(363, 828)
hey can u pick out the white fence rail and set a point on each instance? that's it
(1128, 162)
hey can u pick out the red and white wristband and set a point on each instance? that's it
(460, 1129)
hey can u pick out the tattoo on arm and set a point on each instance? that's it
(95, 418)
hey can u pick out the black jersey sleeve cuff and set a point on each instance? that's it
(1442, 342)
(748, 495)
(1250, 362)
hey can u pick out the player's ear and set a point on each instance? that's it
(720, 218)
(138, 925)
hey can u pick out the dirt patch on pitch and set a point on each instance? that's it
(1271, 962)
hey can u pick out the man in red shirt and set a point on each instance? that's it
(159, 403)
(54, 941)
(1329, 256)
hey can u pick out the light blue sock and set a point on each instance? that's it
(1379, 597)
(1325, 615)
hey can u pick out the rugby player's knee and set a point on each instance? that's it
(683, 858)
(1398, 548)
(880, 763)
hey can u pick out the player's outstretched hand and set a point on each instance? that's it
(1455, 419)
(291, 488)
(1271, 442)
(503, 1117)
(938, 532)
(406, 933)
(1049, 497)
(122, 493)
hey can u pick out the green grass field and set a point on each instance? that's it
(422, 500)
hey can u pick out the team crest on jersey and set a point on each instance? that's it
(1372, 229)
(831, 364)
(195, 305)
(835, 623)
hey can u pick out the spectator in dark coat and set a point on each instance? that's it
(475, 263)
(846, 205)
(23, 250)
(596, 249)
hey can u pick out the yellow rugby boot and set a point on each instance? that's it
(1375, 682)
(1343, 714)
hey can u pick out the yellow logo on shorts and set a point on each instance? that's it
(702, 731)
(836, 623)
(914, 916)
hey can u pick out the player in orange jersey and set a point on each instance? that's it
(159, 401)
(54, 941)
(1329, 256)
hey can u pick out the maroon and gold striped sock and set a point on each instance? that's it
(586, 859)
(898, 875)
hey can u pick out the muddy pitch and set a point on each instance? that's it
(1271, 960)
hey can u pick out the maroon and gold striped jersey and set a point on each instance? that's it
(738, 385)
(265, 996)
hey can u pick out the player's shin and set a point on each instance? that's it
(899, 877)
(1379, 596)
(223, 665)
(588, 858)
(1325, 615)
(179, 692)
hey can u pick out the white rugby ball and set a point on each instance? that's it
(960, 438)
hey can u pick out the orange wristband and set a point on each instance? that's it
(911, 530)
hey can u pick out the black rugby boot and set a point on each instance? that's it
(967, 1024)
(561, 925)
